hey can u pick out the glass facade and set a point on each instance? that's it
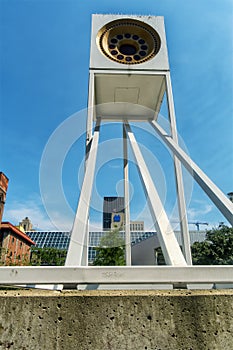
(61, 240)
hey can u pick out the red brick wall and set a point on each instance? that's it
(15, 250)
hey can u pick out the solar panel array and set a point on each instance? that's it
(50, 239)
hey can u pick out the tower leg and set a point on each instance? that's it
(90, 112)
(89, 135)
(76, 255)
(179, 178)
(126, 197)
(215, 194)
(170, 247)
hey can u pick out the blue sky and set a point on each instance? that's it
(44, 80)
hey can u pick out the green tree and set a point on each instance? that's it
(111, 251)
(216, 249)
(48, 256)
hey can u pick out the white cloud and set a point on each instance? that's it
(35, 211)
(197, 213)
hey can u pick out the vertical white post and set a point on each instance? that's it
(126, 200)
(178, 175)
(89, 135)
(84, 261)
(90, 111)
(75, 253)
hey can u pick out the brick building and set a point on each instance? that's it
(3, 190)
(14, 244)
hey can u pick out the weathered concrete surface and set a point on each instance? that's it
(116, 320)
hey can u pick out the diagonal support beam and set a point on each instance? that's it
(170, 247)
(76, 254)
(179, 177)
(214, 193)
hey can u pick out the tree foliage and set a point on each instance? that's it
(111, 251)
(216, 249)
(48, 256)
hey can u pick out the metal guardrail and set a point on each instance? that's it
(16, 275)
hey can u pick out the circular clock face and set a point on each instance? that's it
(128, 41)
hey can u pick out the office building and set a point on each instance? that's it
(113, 208)
(136, 225)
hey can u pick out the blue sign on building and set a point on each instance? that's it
(116, 218)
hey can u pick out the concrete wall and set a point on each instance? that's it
(143, 253)
(116, 320)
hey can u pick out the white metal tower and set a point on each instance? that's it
(129, 75)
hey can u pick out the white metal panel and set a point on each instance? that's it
(115, 274)
(114, 91)
(126, 94)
